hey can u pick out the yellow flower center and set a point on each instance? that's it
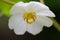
(29, 17)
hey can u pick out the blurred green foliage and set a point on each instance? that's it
(5, 8)
(20, 0)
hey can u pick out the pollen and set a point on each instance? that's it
(29, 17)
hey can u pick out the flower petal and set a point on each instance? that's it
(45, 21)
(40, 9)
(11, 23)
(35, 28)
(18, 8)
(18, 24)
(36, 6)
(46, 13)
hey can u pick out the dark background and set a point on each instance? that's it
(46, 34)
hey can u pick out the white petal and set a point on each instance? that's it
(18, 8)
(45, 21)
(11, 23)
(46, 13)
(18, 24)
(40, 9)
(35, 28)
(36, 6)
(20, 4)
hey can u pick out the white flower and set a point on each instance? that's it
(30, 17)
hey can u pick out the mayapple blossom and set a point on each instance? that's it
(30, 17)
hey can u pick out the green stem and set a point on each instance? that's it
(9, 2)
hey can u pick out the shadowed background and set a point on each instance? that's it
(46, 34)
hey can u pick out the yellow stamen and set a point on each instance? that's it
(29, 17)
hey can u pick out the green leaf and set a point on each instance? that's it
(5, 8)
